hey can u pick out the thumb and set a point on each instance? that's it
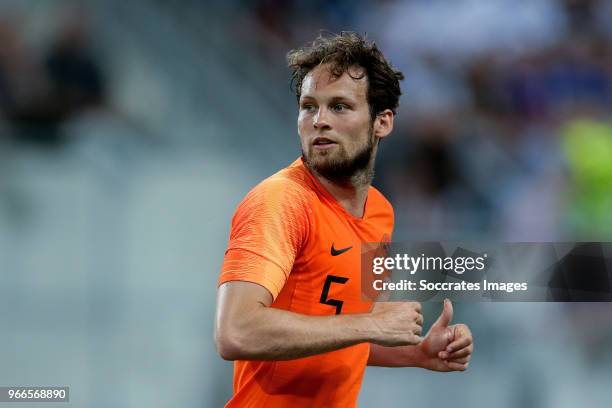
(446, 316)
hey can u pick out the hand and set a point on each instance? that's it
(397, 323)
(447, 348)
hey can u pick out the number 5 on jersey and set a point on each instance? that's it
(332, 302)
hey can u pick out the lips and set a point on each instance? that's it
(323, 141)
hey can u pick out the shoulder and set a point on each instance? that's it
(285, 192)
(286, 185)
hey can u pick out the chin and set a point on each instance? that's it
(324, 159)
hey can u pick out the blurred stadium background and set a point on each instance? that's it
(130, 130)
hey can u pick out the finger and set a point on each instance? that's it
(456, 366)
(460, 360)
(415, 340)
(411, 306)
(419, 319)
(445, 355)
(459, 343)
(417, 330)
(459, 353)
(446, 316)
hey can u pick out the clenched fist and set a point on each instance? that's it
(397, 323)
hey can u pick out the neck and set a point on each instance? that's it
(350, 193)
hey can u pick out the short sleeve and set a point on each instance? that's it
(268, 231)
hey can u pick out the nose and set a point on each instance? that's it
(319, 120)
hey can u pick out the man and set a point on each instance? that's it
(289, 308)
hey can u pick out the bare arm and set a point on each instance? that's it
(402, 356)
(445, 348)
(246, 328)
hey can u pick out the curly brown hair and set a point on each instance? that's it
(342, 51)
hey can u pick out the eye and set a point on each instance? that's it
(308, 107)
(339, 107)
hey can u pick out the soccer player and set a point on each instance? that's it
(289, 308)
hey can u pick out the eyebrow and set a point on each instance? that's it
(334, 99)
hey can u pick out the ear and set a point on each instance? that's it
(383, 123)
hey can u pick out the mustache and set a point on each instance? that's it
(340, 167)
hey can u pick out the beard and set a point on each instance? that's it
(339, 167)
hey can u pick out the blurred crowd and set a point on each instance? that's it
(505, 125)
(40, 88)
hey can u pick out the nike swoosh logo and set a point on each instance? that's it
(336, 252)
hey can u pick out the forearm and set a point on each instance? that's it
(248, 328)
(401, 356)
(267, 333)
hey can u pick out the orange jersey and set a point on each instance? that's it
(291, 236)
